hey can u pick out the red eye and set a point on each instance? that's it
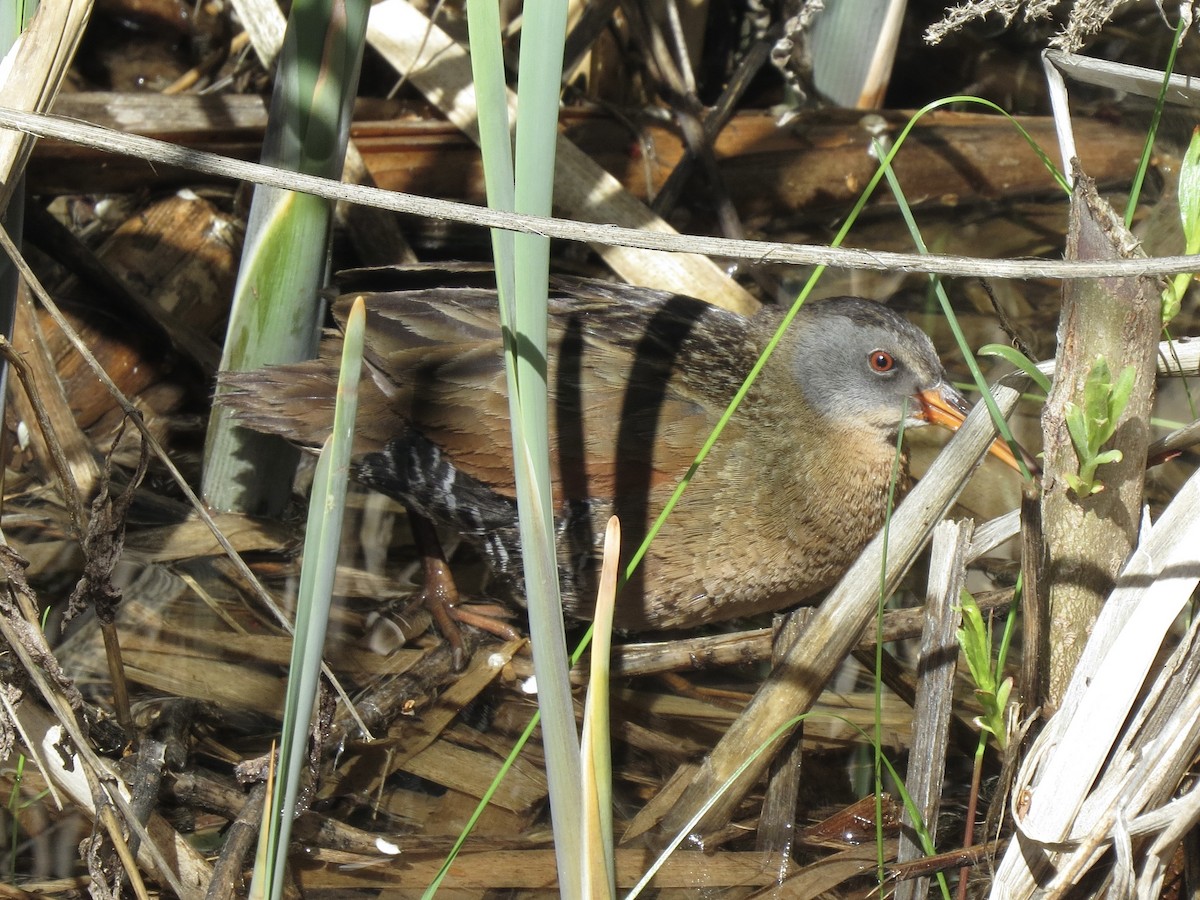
(881, 361)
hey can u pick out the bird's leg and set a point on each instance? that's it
(440, 594)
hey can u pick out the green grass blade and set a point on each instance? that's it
(321, 542)
(275, 315)
(495, 139)
(13, 19)
(1019, 360)
(1135, 191)
(542, 39)
(263, 863)
(273, 320)
(951, 319)
(599, 866)
(522, 273)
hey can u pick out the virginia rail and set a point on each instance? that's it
(794, 489)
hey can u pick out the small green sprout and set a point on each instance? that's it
(1016, 358)
(1189, 214)
(976, 641)
(1093, 425)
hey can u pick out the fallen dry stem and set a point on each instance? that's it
(754, 251)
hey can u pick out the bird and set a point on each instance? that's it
(794, 488)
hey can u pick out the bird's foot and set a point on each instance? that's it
(440, 597)
(487, 617)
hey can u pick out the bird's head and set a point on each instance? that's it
(860, 364)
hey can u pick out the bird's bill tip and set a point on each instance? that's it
(946, 407)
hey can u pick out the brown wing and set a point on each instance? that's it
(635, 384)
(296, 401)
(408, 343)
(629, 402)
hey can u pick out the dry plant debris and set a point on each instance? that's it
(203, 659)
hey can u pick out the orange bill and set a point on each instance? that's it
(948, 408)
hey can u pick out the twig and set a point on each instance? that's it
(161, 152)
(69, 488)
